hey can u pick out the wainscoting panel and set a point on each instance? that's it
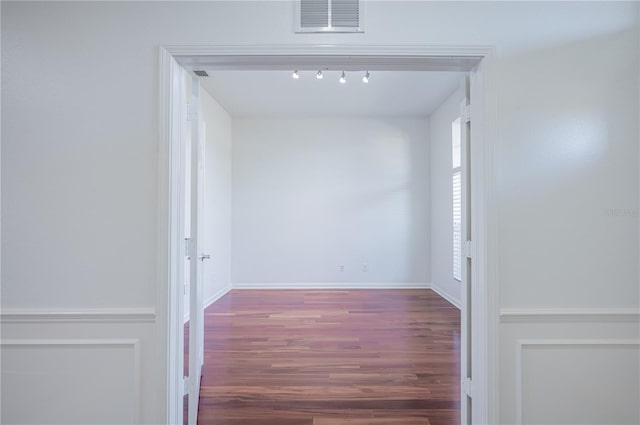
(79, 366)
(577, 367)
(578, 382)
(47, 381)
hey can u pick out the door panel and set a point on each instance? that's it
(196, 303)
(466, 404)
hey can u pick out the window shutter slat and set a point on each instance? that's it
(457, 226)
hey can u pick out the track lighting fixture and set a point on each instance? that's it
(319, 75)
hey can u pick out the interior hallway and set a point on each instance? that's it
(331, 357)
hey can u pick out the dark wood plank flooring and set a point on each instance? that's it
(331, 357)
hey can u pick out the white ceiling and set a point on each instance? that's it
(271, 94)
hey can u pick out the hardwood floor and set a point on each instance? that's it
(330, 357)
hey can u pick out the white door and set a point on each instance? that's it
(466, 281)
(196, 256)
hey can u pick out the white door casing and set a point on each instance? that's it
(475, 59)
(466, 325)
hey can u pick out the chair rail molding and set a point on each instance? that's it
(33, 315)
(542, 315)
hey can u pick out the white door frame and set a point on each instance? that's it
(173, 61)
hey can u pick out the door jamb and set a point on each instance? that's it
(172, 60)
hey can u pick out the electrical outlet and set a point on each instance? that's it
(341, 268)
(364, 268)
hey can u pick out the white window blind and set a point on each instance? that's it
(457, 226)
(457, 199)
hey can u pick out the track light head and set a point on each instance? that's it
(365, 79)
(295, 75)
(343, 78)
(319, 75)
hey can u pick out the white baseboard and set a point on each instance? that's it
(217, 295)
(210, 300)
(332, 285)
(456, 303)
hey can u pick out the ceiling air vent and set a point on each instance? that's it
(329, 15)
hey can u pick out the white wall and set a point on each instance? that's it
(217, 202)
(79, 166)
(569, 154)
(440, 121)
(310, 195)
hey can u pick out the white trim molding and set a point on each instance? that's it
(443, 294)
(330, 56)
(30, 315)
(540, 315)
(217, 295)
(212, 299)
(332, 285)
(171, 93)
(522, 343)
(478, 60)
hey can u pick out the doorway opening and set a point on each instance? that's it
(175, 62)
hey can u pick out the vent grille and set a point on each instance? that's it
(329, 15)
(314, 13)
(345, 13)
(201, 73)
